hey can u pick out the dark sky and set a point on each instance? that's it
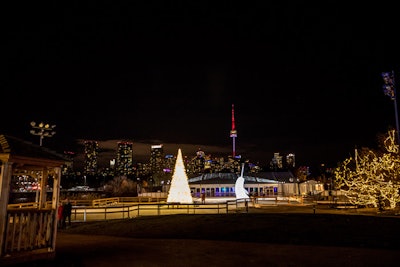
(304, 77)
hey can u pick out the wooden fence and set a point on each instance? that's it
(28, 229)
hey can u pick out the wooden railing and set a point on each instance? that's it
(143, 199)
(105, 201)
(28, 229)
(33, 205)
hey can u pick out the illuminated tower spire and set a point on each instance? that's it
(233, 132)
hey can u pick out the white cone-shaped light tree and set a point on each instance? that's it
(179, 192)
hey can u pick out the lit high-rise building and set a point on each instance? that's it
(276, 162)
(90, 157)
(290, 160)
(156, 159)
(124, 162)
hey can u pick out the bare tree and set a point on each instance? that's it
(121, 186)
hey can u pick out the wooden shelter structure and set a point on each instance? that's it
(28, 231)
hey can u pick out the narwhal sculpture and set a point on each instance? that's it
(240, 191)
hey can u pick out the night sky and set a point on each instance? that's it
(304, 78)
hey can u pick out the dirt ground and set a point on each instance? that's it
(268, 237)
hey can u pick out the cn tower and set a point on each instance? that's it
(233, 132)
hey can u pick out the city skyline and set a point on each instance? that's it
(303, 78)
(142, 152)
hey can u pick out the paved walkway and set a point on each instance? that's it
(97, 250)
(89, 250)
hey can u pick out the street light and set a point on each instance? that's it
(43, 130)
(389, 89)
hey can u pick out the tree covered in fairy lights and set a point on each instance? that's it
(372, 178)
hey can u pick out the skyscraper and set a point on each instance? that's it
(124, 164)
(156, 158)
(290, 160)
(90, 157)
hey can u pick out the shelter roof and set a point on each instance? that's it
(20, 151)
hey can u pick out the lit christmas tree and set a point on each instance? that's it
(179, 192)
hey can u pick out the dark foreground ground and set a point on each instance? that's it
(271, 236)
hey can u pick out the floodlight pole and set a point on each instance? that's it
(397, 119)
(42, 130)
(389, 88)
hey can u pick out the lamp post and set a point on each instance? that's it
(42, 130)
(389, 88)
